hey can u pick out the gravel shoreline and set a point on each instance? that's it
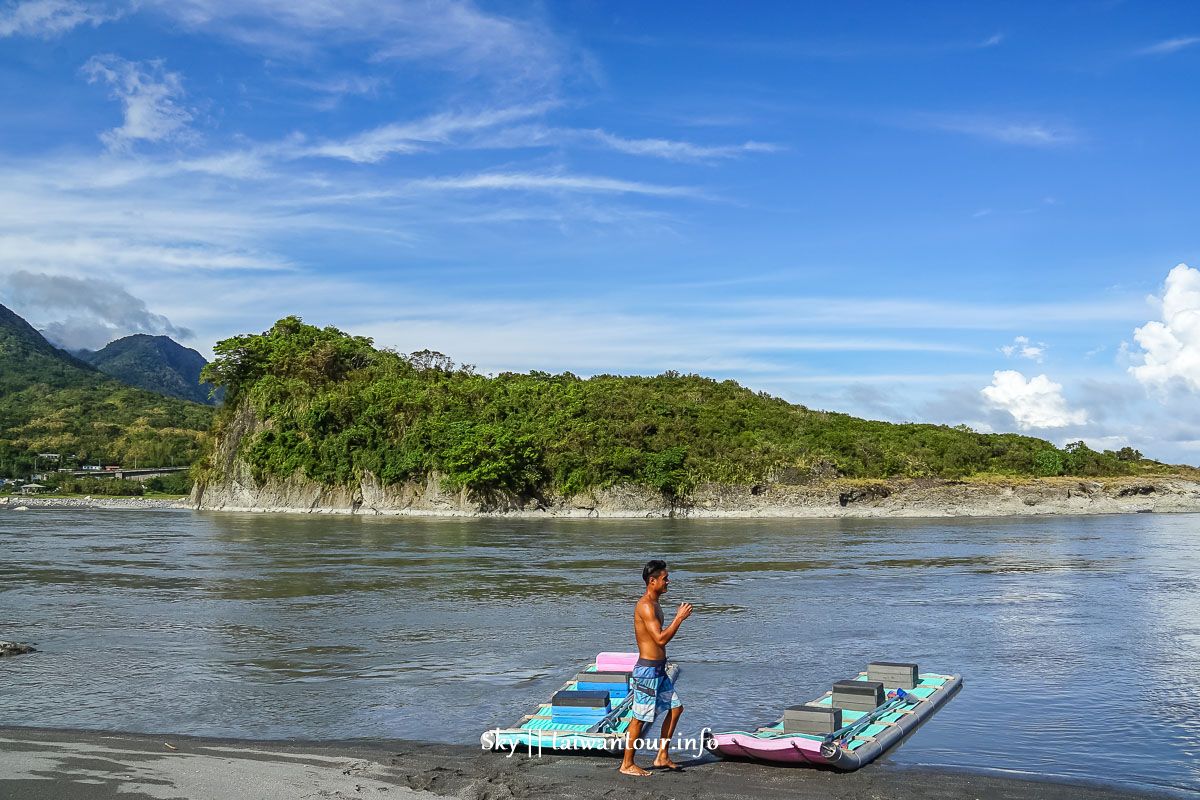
(40, 763)
(131, 503)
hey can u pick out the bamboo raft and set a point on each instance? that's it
(863, 737)
(541, 731)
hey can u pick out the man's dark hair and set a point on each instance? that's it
(653, 569)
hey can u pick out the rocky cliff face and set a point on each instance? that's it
(235, 489)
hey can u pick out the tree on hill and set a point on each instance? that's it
(336, 407)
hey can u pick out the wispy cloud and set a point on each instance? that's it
(673, 150)
(827, 48)
(525, 181)
(1168, 46)
(150, 96)
(329, 91)
(494, 129)
(452, 35)
(409, 137)
(49, 18)
(116, 252)
(864, 312)
(538, 135)
(1024, 133)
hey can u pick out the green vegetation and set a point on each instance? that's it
(100, 487)
(335, 407)
(51, 402)
(174, 485)
(155, 363)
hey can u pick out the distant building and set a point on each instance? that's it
(32, 488)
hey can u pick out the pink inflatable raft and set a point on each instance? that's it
(848, 727)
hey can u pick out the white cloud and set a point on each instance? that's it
(491, 129)
(1171, 348)
(864, 311)
(409, 137)
(1168, 46)
(1025, 133)
(454, 35)
(126, 252)
(674, 150)
(46, 18)
(1033, 403)
(525, 181)
(331, 90)
(150, 96)
(1023, 348)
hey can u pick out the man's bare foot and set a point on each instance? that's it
(634, 769)
(665, 762)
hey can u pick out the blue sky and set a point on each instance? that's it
(967, 213)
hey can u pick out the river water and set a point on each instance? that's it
(1078, 637)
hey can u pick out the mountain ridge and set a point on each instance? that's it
(155, 363)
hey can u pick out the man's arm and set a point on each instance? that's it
(658, 633)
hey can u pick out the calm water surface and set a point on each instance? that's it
(1078, 637)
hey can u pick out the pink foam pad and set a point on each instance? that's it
(618, 662)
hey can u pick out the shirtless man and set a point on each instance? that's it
(652, 690)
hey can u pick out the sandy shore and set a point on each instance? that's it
(37, 763)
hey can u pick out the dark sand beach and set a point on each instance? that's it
(45, 764)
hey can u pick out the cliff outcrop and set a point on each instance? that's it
(231, 486)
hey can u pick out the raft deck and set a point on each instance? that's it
(539, 731)
(863, 737)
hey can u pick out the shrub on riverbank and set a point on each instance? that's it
(101, 487)
(336, 407)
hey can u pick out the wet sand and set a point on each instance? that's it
(48, 764)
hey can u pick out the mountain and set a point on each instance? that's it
(51, 401)
(156, 363)
(23, 351)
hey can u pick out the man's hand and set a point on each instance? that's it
(685, 611)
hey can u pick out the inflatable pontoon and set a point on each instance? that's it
(849, 726)
(591, 712)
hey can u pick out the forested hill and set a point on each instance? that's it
(156, 363)
(51, 401)
(333, 407)
(24, 349)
